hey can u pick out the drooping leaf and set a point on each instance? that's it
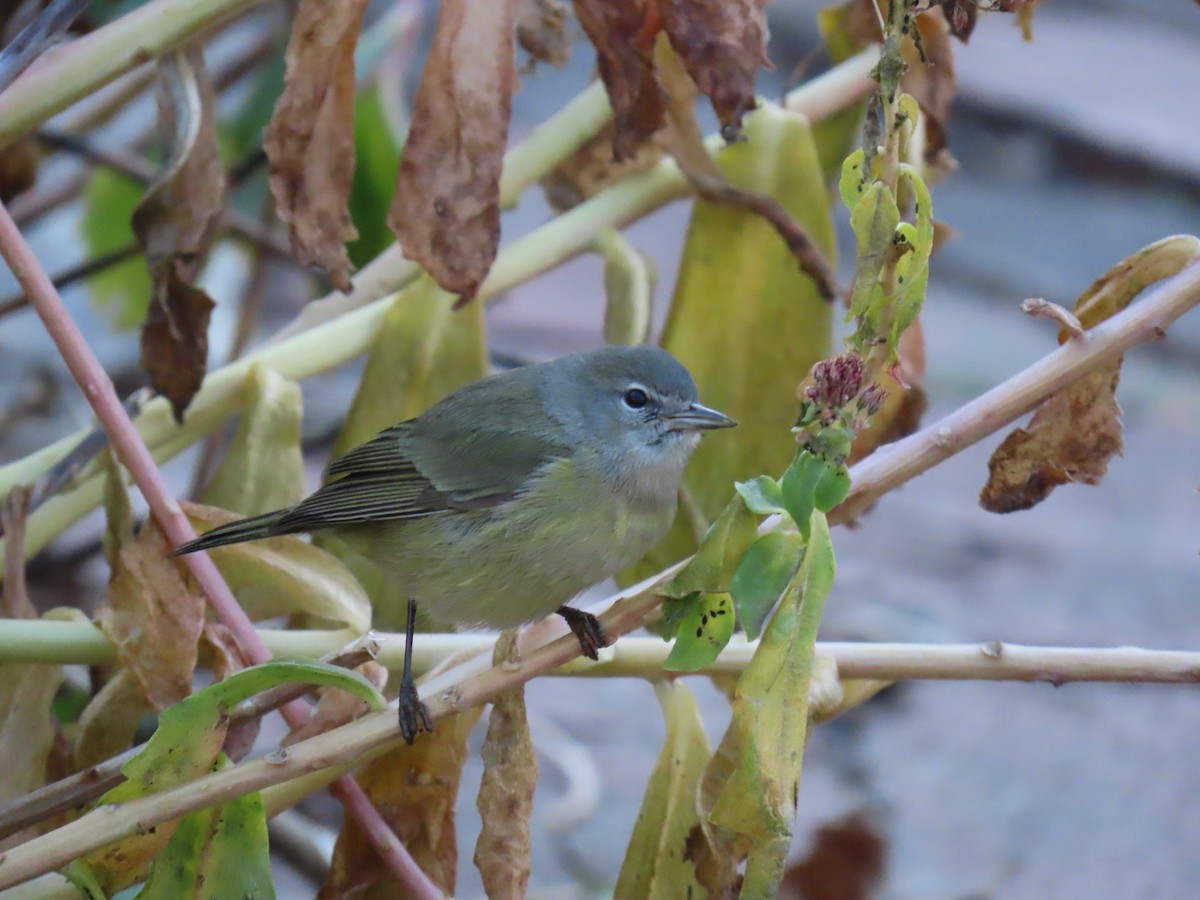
(702, 634)
(749, 792)
(722, 44)
(216, 852)
(263, 469)
(658, 863)
(504, 851)
(629, 280)
(310, 141)
(762, 495)
(153, 619)
(174, 224)
(26, 731)
(542, 32)
(623, 35)
(712, 568)
(744, 319)
(446, 209)
(414, 787)
(185, 746)
(285, 575)
(765, 571)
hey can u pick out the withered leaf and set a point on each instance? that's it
(228, 657)
(623, 35)
(310, 140)
(722, 44)
(542, 32)
(846, 861)
(153, 619)
(414, 788)
(933, 81)
(18, 168)
(906, 400)
(503, 853)
(336, 707)
(109, 722)
(446, 210)
(1071, 438)
(174, 224)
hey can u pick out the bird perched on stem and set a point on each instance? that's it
(511, 495)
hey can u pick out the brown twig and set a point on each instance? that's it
(170, 519)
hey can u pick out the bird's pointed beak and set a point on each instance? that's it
(698, 417)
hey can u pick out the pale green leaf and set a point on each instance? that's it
(745, 319)
(656, 864)
(874, 220)
(765, 571)
(629, 279)
(704, 631)
(279, 576)
(263, 469)
(762, 495)
(216, 853)
(852, 184)
(712, 568)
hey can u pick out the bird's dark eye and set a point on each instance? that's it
(635, 398)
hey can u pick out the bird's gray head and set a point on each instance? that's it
(637, 407)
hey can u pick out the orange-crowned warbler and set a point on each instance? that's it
(511, 495)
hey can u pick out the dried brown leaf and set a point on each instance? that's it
(1071, 438)
(414, 788)
(336, 708)
(109, 722)
(503, 853)
(623, 35)
(933, 82)
(905, 401)
(174, 224)
(18, 168)
(542, 32)
(722, 44)
(446, 210)
(153, 619)
(310, 140)
(591, 168)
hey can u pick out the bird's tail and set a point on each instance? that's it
(249, 529)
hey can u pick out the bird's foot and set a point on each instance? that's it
(414, 715)
(587, 629)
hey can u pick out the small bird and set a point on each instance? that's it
(510, 496)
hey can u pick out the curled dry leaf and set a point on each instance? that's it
(847, 860)
(623, 35)
(906, 400)
(446, 210)
(542, 32)
(337, 707)
(504, 851)
(414, 788)
(174, 224)
(310, 140)
(722, 44)
(109, 722)
(1071, 438)
(933, 81)
(153, 619)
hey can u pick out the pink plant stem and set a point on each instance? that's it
(135, 456)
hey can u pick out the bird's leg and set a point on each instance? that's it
(587, 629)
(414, 716)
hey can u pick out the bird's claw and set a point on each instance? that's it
(414, 715)
(587, 629)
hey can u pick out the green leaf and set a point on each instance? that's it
(263, 469)
(765, 571)
(703, 633)
(799, 487)
(852, 183)
(279, 576)
(81, 876)
(656, 866)
(745, 320)
(186, 744)
(832, 486)
(750, 787)
(377, 158)
(123, 289)
(874, 220)
(712, 568)
(762, 495)
(215, 853)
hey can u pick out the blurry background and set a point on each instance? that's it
(1074, 151)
